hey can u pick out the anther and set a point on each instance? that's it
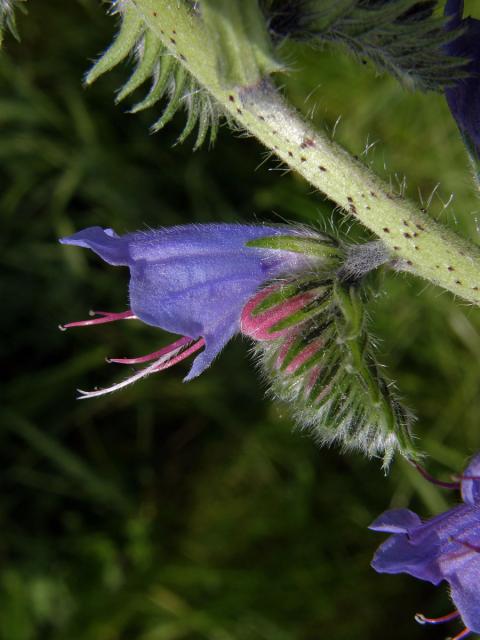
(422, 619)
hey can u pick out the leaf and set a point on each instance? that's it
(170, 79)
(402, 37)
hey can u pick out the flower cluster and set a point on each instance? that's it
(296, 292)
(444, 548)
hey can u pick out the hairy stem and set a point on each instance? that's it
(427, 248)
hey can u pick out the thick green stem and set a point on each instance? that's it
(427, 248)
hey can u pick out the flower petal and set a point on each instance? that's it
(399, 554)
(104, 242)
(396, 521)
(195, 280)
(465, 592)
(464, 96)
(471, 487)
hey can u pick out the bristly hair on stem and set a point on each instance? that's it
(168, 76)
(402, 37)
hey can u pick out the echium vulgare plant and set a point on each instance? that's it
(317, 355)
(298, 293)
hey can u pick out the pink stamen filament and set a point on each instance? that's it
(105, 317)
(152, 356)
(462, 634)
(181, 356)
(171, 357)
(421, 619)
(430, 478)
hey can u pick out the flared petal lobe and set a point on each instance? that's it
(396, 521)
(193, 280)
(104, 242)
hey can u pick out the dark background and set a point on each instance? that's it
(196, 511)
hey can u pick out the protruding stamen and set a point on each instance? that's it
(421, 619)
(173, 356)
(462, 634)
(460, 478)
(181, 356)
(430, 478)
(105, 317)
(156, 354)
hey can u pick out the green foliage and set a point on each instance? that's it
(401, 37)
(230, 524)
(238, 31)
(169, 78)
(7, 17)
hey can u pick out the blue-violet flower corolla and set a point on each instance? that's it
(190, 280)
(446, 547)
(463, 96)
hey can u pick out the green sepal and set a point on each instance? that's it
(151, 50)
(238, 31)
(289, 290)
(325, 248)
(131, 27)
(309, 311)
(304, 339)
(159, 85)
(352, 310)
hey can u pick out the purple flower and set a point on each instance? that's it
(191, 280)
(464, 96)
(446, 547)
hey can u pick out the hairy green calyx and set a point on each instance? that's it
(317, 355)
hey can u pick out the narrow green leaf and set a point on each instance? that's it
(175, 100)
(151, 49)
(163, 73)
(130, 30)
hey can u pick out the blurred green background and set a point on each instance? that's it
(196, 511)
